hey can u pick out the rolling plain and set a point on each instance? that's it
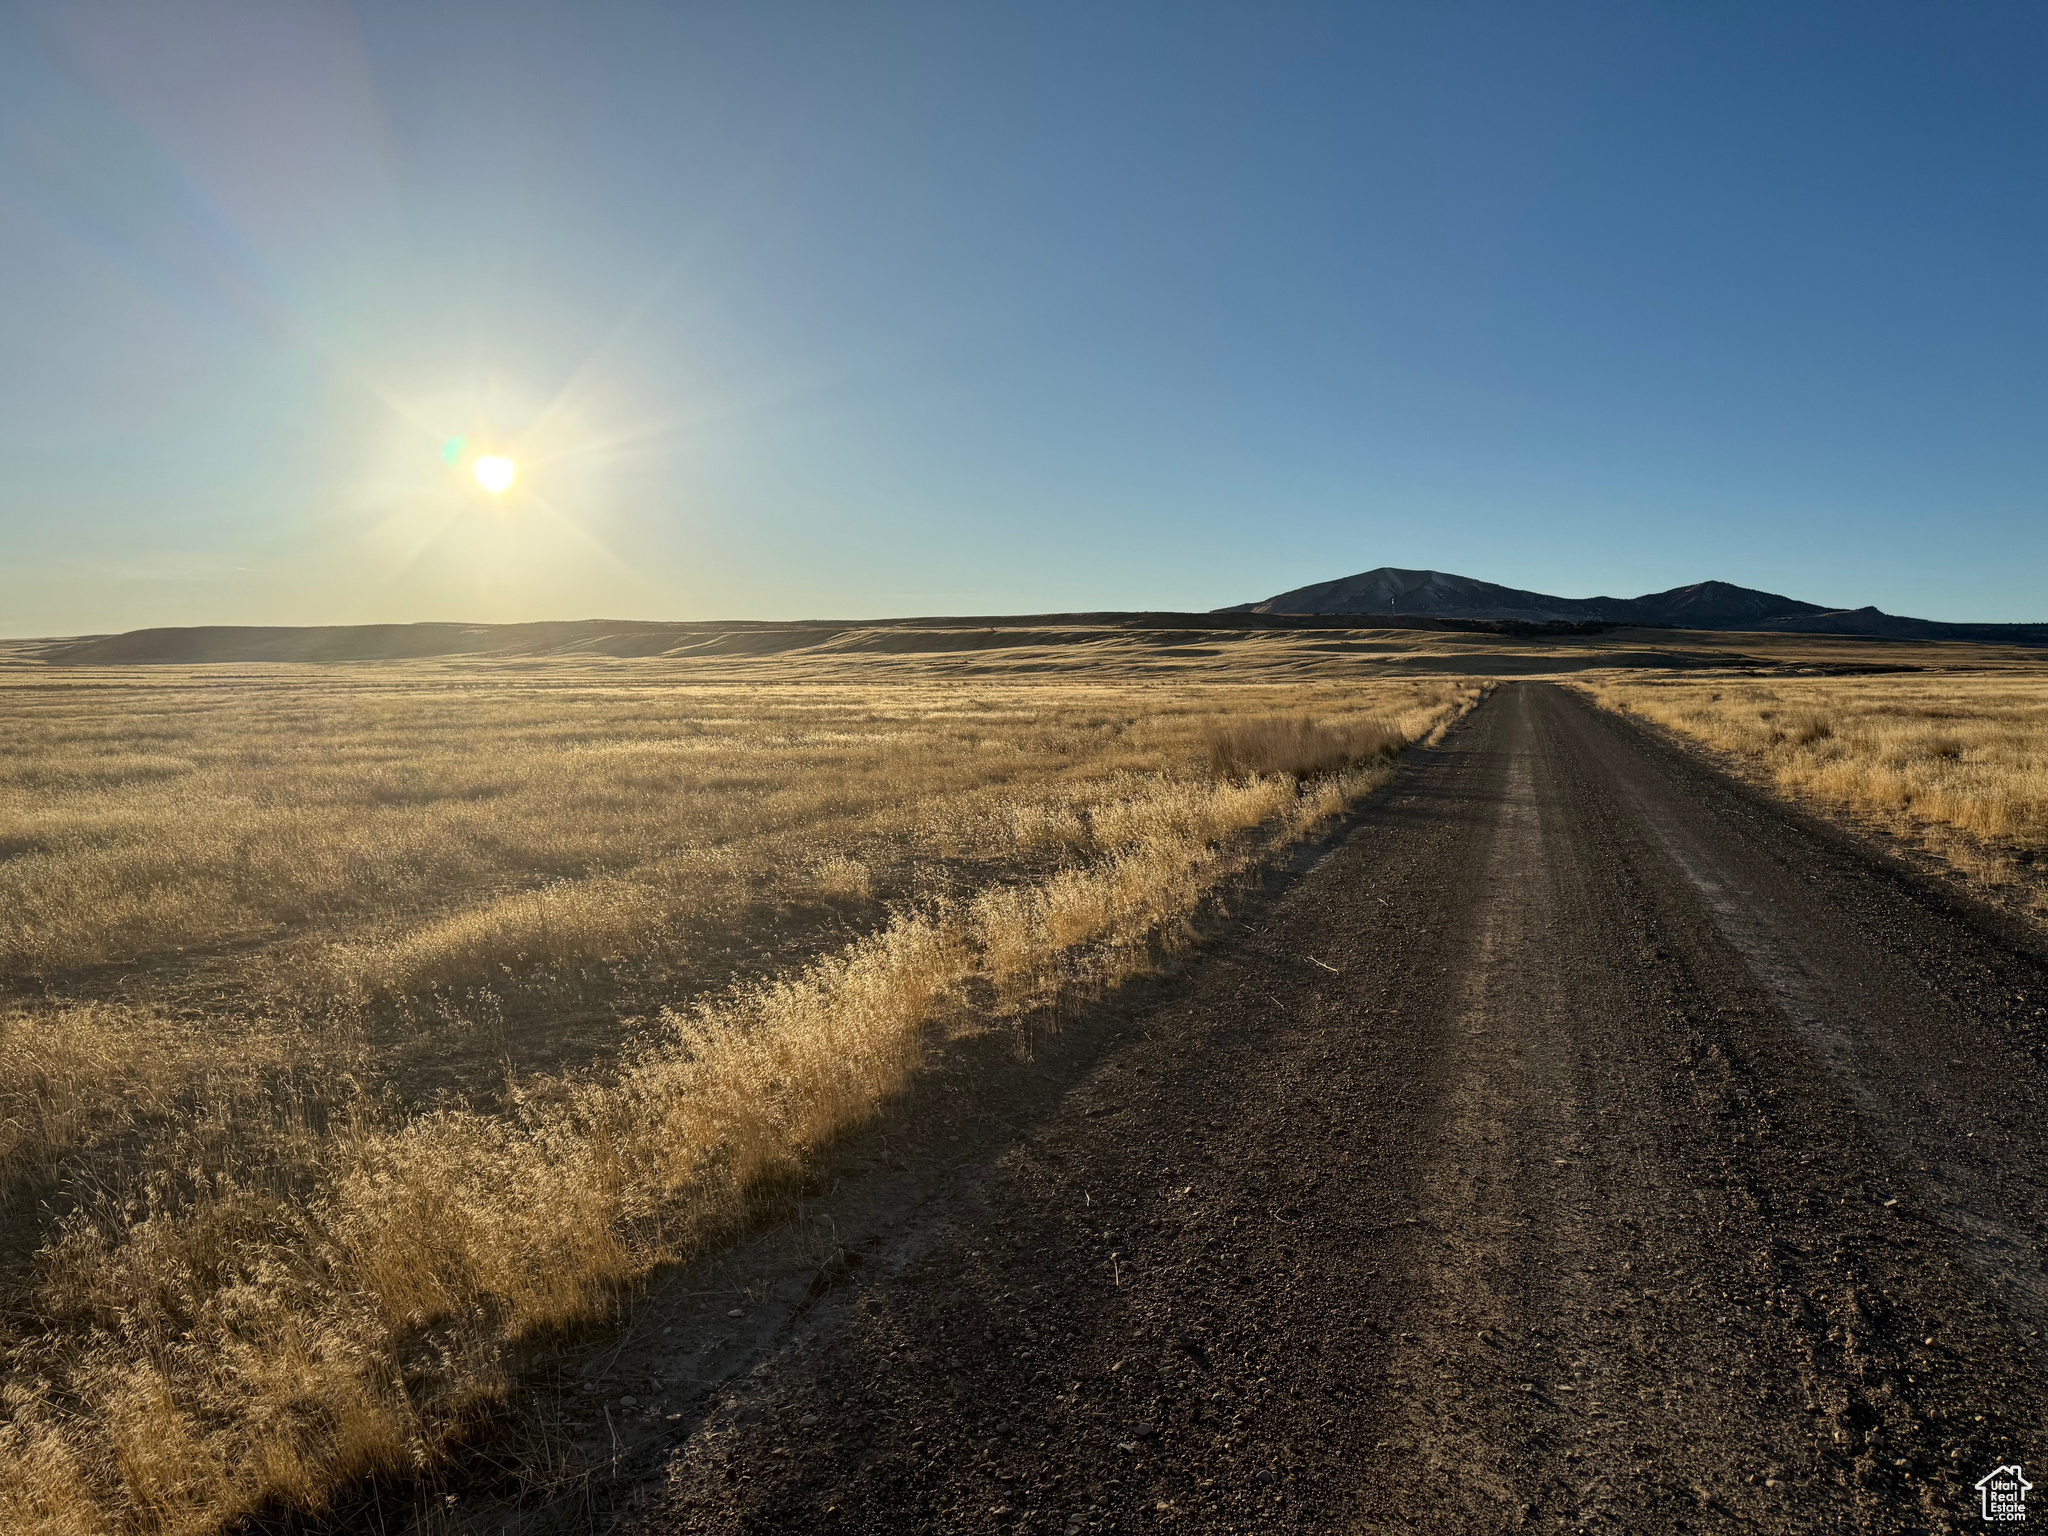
(1043, 1077)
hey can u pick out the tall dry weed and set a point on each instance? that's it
(1299, 748)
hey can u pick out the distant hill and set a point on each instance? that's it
(1703, 605)
(1375, 600)
(625, 638)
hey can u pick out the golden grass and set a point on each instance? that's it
(1959, 763)
(289, 1176)
(1299, 748)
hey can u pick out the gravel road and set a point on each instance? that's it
(1583, 1143)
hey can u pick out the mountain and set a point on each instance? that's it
(1703, 605)
(1435, 593)
(1716, 605)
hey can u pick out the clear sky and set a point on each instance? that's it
(864, 309)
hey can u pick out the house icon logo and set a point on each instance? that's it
(2004, 1491)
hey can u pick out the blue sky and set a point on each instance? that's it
(844, 310)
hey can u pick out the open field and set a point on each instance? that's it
(363, 1022)
(366, 1026)
(1956, 763)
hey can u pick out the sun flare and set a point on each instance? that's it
(495, 473)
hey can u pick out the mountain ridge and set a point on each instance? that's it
(1710, 605)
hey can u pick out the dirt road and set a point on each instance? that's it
(1583, 1143)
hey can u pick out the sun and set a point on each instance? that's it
(495, 473)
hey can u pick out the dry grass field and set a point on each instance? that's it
(1956, 762)
(360, 1025)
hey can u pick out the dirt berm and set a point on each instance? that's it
(1583, 1143)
